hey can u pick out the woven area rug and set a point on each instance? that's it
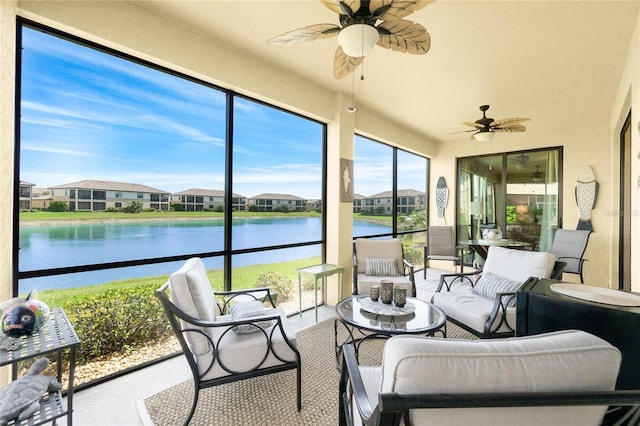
(271, 399)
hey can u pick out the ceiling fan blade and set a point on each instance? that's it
(404, 36)
(397, 9)
(470, 124)
(306, 34)
(343, 65)
(335, 5)
(508, 121)
(512, 128)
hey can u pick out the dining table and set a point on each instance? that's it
(481, 247)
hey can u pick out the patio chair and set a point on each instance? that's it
(441, 245)
(223, 347)
(560, 378)
(376, 260)
(485, 304)
(569, 246)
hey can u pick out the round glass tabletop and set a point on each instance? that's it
(425, 318)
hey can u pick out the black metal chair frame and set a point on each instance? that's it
(408, 272)
(392, 407)
(498, 315)
(176, 316)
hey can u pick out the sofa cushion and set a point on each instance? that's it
(490, 284)
(381, 267)
(249, 309)
(567, 361)
(473, 311)
(425, 289)
(366, 281)
(518, 265)
(191, 291)
(246, 352)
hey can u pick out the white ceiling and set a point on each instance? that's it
(551, 61)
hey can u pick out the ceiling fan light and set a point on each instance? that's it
(483, 136)
(358, 39)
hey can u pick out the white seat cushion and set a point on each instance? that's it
(562, 361)
(244, 352)
(371, 377)
(426, 289)
(365, 282)
(518, 265)
(472, 310)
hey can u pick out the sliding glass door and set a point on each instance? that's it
(517, 193)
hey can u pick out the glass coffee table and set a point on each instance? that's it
(364, 319)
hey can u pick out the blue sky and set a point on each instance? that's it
(89, 115)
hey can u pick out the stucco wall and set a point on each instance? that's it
(628, 98)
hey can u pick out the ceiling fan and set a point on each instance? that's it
(485, 127)
(537, 175)
(521, 161)
(364, 23)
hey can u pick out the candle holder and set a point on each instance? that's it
(374, 292)
(386, 291)
(400, 296)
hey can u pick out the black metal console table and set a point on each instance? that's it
(56, 336)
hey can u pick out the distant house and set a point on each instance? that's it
(197, 200)
(26, 195)
(408, 201)
(41, 198)
(98, 195)
(276, 202)
(358, 200)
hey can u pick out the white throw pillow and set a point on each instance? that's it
(490, 284)
(249, 309)
(381, 267)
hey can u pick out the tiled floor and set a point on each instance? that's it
(114, 403)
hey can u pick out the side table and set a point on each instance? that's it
(56, 336)
(323, 271)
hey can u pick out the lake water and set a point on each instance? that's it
(54, 246)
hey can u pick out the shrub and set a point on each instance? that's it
(278, 282)
(415, 256)
(57, 206)
(108, 321)
(133, 207)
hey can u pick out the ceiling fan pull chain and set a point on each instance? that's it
(352, 108)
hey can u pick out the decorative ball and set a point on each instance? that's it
(24, 318)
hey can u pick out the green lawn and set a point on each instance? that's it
(243, 277)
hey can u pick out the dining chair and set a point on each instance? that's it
(569, 246)
(441, 245)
